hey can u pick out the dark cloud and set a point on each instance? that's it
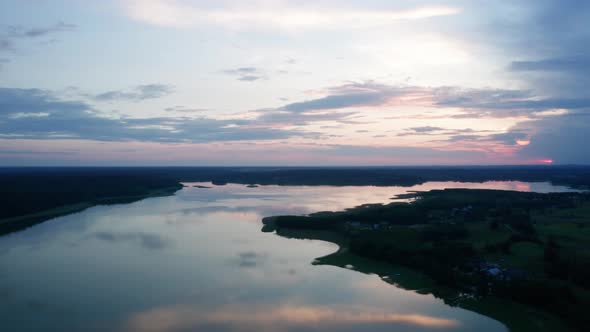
(38, 114)
(35, 101)
(138, 93)
(557, 64)
(550, 48)
(425, 129)
(561, 138)
(246, 74)
(507, 138)
(556, 30)
(468, 135)
(478, 98)
(349, 95)
(336, 102)
(504, 102)
(280, 117)
(474, 103)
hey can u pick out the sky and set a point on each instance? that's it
(315, 83)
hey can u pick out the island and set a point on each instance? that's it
(522, 258)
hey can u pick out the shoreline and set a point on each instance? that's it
(509, 313)
(15, 224)
(493, 252)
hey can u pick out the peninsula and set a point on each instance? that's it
(522, 258)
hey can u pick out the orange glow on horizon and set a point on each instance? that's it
(545, 161)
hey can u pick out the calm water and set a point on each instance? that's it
(198, 261)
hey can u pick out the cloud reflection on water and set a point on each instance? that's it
(286, 317)
(151, 241)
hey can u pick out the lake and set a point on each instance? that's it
(198, 261)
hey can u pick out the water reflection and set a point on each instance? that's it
(198, 261)
(146, 240)
(282, 318)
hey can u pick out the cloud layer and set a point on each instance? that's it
(286, 15)
(405, 82)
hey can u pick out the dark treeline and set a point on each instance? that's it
(576, 176)
(24, 191)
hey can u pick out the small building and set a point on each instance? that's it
(494, 272)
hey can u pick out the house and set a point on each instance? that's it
(493, 272)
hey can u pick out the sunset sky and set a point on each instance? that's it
(338, 82)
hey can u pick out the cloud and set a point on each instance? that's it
(358, 94)
(284, 317)
(39, 114)
(425, 129)
(338, 102)
(246, 74)
(560, 138)
(548, 43)
(474, 103)
(548, 47)
(509, 138)
(502, 102)
(150, 241)
(234, 14)
(12, 35)
(138, 93)
(250, 259)
(281, 118)
(556, 64)
(17, 31)
(13, 101)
